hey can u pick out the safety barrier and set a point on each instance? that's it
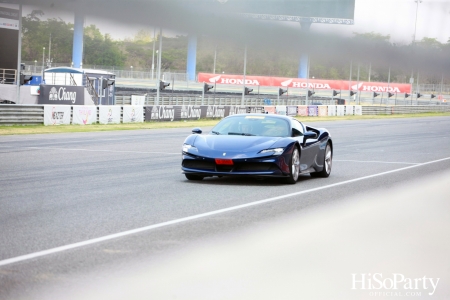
(21, 114)
(414, 109)
(11, 114)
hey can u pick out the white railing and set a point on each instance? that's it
(8, 76)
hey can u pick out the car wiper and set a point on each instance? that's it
(240, 133)
(215, 132)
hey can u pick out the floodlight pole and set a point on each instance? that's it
(245, 70)
(350, 79)
(215, 56)
(415, 23)
(158, 75)
(307, 82)
(417, 88)
(357, 87)
(214, 97)
(153, 55)
(389, 83)
(19, 55)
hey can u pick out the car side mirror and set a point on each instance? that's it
(309, 135)
(197, 130)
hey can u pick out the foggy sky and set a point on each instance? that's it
(328, 41)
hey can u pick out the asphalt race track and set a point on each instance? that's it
(81, 211)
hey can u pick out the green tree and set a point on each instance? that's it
(101, 49)
(38, 34)
(372, 36)
(431, 43)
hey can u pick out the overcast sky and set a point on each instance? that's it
(394, 17)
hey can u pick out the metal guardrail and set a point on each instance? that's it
(21, 114)
(395, 110)
(12, 114)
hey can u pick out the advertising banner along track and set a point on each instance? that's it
(57, 114)
(313, 84)
(109, 114)
(84, 114)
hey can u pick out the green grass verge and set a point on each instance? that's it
(38, 129)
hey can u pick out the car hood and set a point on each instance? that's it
(234, 146)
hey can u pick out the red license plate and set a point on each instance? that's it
(221, 161)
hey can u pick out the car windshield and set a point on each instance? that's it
(252, 126)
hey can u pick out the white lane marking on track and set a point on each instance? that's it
(374, 161)
(91, 150)
(199, 216)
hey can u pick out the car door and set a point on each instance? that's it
(310, 147)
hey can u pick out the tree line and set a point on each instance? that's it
(102, 50)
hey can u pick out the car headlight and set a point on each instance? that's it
(188, 148)
(273, 151)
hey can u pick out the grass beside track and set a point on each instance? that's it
(39, 129)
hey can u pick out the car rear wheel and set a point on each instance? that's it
(193, 177)
(327, 163)
(294, 167)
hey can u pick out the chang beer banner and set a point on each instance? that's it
(191, 112)
(255, 110)
(61, 95)
(133, 114)
(56, 115)
(109, 114)
(84, 114)
(214, 111)
(234, 110)
(161, 113)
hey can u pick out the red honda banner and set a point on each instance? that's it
(312, 84)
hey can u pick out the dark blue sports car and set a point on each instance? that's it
(258, 145)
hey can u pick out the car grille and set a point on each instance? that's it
(199, 164)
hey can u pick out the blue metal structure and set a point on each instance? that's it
(191, 57)
(78, 32)
(304, 59)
